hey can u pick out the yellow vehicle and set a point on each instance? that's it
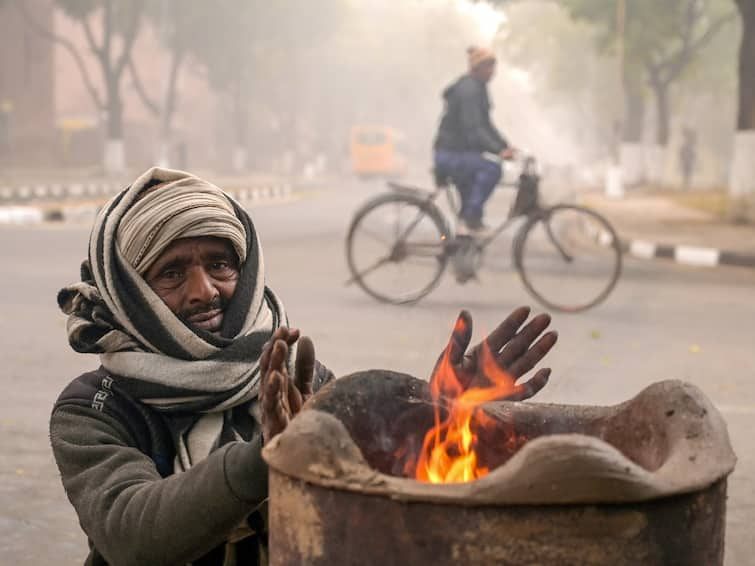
(375, 152)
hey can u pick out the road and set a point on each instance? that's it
(663, 321)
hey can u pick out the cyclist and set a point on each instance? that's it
(466, 136)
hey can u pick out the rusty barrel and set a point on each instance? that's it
(643, 482)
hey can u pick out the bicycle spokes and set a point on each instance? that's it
(569, 259)
(396, 248)
(556, 241)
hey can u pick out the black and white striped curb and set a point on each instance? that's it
(29, 193)
(262, 193)
(688, 255)
(55, 191)
(27, 213)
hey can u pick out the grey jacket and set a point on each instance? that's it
(466, 124)
(115, 458)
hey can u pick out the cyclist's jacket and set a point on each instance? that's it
(466, 124)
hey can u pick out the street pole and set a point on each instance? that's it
(614, 183)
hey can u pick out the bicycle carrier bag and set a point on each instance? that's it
(527, 196)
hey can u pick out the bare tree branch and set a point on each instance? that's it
(96, 49)
(668, 69)
(69, 46)
(171, 98)
(674, 66)
(129, 37)
(713, 30)
(107, 37)
(148, 102)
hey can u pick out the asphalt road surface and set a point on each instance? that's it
(663, 321)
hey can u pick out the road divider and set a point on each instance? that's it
(81, 202)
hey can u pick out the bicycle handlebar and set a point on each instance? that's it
(529, 161)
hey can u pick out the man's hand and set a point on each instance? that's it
(508, 153)
(512, 348)
(282, 397)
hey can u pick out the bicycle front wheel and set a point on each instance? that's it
(569, 258)
(395, 248)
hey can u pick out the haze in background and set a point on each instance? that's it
(275, 88)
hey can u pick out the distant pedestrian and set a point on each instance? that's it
(688, 156)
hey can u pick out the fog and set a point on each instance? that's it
(640, 112)
(276, 88)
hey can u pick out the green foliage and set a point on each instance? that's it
(714, 68)
(654, 31)
(569, 76)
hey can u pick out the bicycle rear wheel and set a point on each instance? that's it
(396, 248)
(569, 258)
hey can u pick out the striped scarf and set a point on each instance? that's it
(150, 353)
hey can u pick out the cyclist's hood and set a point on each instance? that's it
(462, 84)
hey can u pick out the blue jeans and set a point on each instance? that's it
(473, 175)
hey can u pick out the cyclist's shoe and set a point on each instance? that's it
(475, 228)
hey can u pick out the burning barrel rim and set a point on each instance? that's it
(555, 469)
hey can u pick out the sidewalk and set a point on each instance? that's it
(653, 225)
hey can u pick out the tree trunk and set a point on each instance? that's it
(634, 113)
(663, 113)
(655, 154)
(746, 115)
(114, 111)
(168, 109)
(114, 158)
(631, 155)
(742, 169)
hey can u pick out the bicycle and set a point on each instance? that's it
(403, 237)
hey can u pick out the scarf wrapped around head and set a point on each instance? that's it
(151, 354)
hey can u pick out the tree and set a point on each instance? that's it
(660, 42)
(120, 22)
(663, 38)
(695, 26)
(254, 54)
(575, 84)
(177, 23)
(746, 113)
(742, 178)
(225, 50)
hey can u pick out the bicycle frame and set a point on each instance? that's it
(466, 252)
(529, 171)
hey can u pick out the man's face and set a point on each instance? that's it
(196, 278)
(486, 70)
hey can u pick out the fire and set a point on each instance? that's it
(449, 451)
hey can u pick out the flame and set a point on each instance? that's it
(449, 451)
